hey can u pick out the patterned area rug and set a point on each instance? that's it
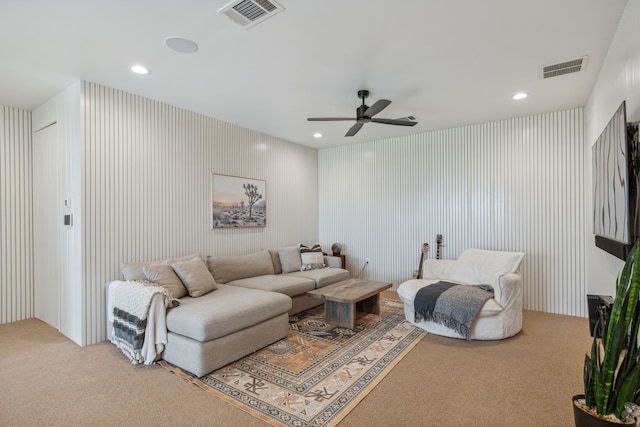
(317, 374)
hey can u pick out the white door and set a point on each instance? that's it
(47, 222)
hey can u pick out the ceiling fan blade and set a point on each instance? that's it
(329, 119)
(354, 129)
(395, 122)
(377, 107)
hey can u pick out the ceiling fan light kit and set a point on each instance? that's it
(364, 114)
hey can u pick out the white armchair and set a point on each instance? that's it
(500, 317)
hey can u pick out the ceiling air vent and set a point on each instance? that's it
(566, 67)
(250, 12)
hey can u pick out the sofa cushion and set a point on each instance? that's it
(195, 276)
(225, 311)
(275, 258)
(285, 284)
(290, 259)
(323, 277)
(481, 266)
(163, 275)
(228, 268)
(133, 270)
(312, 258)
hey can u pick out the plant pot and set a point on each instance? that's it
(583, 418)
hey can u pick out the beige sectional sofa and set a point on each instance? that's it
(249, 309)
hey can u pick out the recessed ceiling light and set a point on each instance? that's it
(140, 69)
(180, 44)
(317, 135)
(520, 95)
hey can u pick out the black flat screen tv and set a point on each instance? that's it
(614, 188)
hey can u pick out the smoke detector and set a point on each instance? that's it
(567, 67)
(250, 12)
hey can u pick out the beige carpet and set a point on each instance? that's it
(528, 380)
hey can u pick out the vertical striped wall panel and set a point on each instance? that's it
(515, 185)
(147, 188)
(618, 80)
(16, 270)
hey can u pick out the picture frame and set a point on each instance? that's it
(238, 202)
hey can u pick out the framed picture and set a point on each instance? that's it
(238, 202)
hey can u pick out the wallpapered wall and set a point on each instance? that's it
(619, 80)
(515, 185)
(16, 270)
(147, 187)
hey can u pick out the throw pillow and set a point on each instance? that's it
(133, 270)
(195, 276)
(312, 258)
(290, 259)
(163, 275)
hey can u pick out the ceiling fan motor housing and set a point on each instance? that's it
(360, 116)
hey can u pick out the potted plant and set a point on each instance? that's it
(612, 369)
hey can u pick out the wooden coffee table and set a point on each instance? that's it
(344, 299)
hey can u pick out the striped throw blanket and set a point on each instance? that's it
(131, 301)
(452, 305)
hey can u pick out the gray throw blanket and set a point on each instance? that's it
(451, 305)
(129, 330)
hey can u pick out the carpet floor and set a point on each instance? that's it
(527, 380)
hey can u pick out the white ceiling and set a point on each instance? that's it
(448, 62)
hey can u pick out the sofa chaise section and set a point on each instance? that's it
(213, 330)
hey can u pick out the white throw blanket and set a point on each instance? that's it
(137, 313)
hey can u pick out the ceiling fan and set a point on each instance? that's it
(364, 114)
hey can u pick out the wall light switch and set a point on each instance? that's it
(67, 203)
(68, 220)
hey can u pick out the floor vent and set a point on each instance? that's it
(566, 67)
(250, 12)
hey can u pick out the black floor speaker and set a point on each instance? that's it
(599, 307)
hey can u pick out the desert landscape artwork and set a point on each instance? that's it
(238, 202)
